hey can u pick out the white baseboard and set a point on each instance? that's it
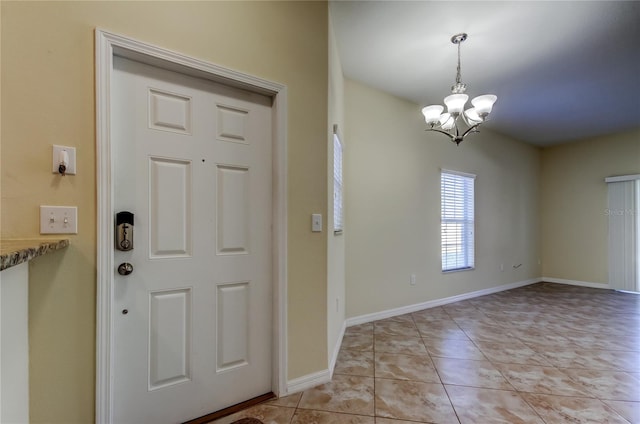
(321, 377)
(436, 302)
(307, 381)
(576, 283)
(336, 350)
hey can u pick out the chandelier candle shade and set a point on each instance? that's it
(447, 122)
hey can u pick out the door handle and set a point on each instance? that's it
(125, 268)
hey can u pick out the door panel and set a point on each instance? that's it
(169, 337)
(233, 210)
(232, 124)
(233, 325)
(170, 207)
(169, 112)
(192, 327)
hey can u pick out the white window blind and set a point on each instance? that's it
(624, 232)
(337, 184)
(457, 226)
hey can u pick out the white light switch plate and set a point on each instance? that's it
(316, 222)
(55, 163)
(58, 220)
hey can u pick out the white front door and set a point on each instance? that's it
(193, 321)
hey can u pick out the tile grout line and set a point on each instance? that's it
(444, 387)
(551, 313)
(373, 349)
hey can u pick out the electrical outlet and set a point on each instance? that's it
(501, 267)
(58, 220)
(412, 279)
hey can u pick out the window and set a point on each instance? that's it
(457, 226)
(337, 182)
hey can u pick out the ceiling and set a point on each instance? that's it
(562, 70)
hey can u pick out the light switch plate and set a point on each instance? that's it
(58, 220)
(55, 162)
(316, 222)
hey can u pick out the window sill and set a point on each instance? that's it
(449, 271)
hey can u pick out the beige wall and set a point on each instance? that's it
(574, 201)
(393, 200)
(335, 243)
(48, 98)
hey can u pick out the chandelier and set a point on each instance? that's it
(447, 123)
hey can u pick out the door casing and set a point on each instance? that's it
(108, 45)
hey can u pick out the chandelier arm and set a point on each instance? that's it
(471, 129)
(466, 121)
(452, 137)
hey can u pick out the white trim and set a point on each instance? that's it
(279, 234)
(627, 292)
(436, 302)
(312, 380)
(321, 377)
(362, 319)
(106, 46)
(576, 283)
(621, 178)
(459, 173)
(308, 381)
(336, 350)
(104, 263)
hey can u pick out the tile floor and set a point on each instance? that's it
(544, 353)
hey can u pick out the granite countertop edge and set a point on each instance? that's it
(16, 251)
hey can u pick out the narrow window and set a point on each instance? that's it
(337, 183)
(457, 226)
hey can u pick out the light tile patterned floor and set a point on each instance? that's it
(544, 353)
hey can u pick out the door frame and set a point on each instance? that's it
(108, 45)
